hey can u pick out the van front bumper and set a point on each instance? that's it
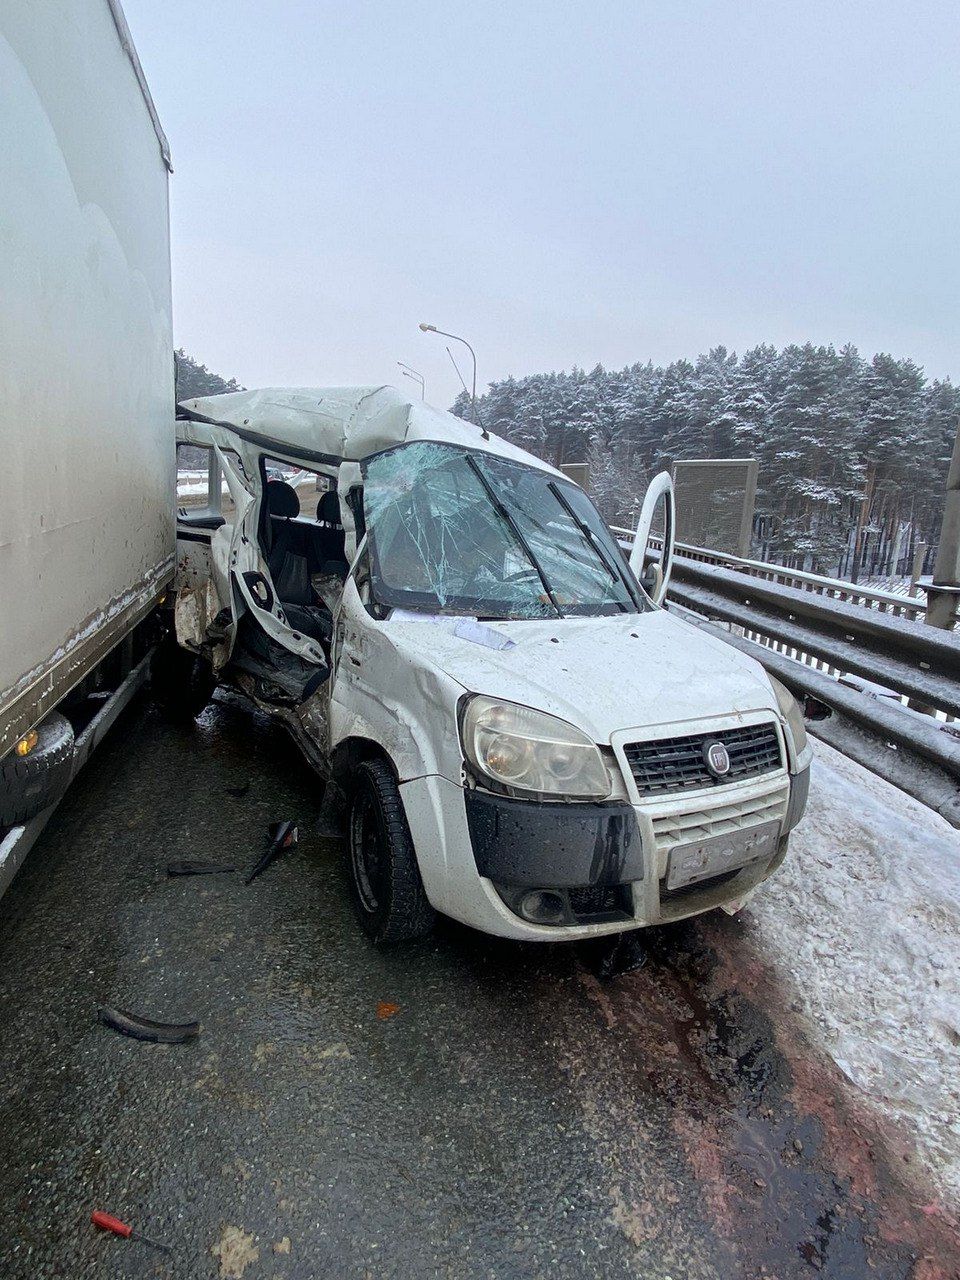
(436, 810)
(472, 845)
(528, 844)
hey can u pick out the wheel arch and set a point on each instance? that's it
(396, 908)
(350, 752)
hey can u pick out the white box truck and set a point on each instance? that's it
(86, 393)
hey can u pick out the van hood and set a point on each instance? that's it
(602, 674)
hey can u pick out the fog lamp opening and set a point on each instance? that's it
(543, 906)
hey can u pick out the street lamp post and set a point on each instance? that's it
(417, 377)
(432, 328)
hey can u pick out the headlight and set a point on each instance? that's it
(530, 752)
(791, 712)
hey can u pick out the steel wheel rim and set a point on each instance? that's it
(366, 852)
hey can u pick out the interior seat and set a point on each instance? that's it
(328, 540)
(288, 564)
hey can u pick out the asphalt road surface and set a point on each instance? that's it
(461, 1108)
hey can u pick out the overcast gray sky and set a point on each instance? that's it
(560, 182)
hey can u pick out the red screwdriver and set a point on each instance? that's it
(107, 1222)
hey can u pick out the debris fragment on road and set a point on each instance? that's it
(386, 1010)
(612, 956)
(107, 1222)
(239, 790)
(130, 1024)
(283, 835)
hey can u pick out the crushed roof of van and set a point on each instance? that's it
(336, 424)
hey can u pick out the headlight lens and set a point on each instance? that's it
(791, 711)
(528, 751)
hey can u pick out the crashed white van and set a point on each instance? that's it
(517, 733)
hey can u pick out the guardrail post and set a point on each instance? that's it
(916, 570)
(943, 591)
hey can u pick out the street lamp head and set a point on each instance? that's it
(428, 328)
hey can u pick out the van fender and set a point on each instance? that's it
(380, 692)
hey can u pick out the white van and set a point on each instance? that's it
(516, 731)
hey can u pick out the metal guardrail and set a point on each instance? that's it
(866, 657)
(836, 588)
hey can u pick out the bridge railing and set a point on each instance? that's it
(836, 588)
(890, 683)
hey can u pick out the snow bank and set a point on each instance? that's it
(865, 914)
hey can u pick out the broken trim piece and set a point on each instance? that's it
(130, 1024)
(283, 835)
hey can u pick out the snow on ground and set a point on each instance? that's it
(865, 914)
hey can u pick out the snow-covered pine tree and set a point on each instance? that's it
(816, 418)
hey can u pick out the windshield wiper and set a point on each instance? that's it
(513, 527)
(614, 570)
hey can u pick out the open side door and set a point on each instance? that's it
(233, 579)
(240, 568)
(655, 578)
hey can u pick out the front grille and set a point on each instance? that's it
(678, 764)
(693, 825)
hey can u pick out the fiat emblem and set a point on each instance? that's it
(716, 758)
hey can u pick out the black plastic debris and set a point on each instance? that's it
(239, 790)
(197, 868)
(814, 709)
(283, 835)
(612, 956)
(131, 1024)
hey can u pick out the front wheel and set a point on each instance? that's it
(385, 882)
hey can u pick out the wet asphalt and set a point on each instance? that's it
(460, 1108)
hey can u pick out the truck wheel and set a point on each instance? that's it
(385, 880)
(182, 682)
(31, 783)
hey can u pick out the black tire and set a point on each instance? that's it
(31, 783)
(182, 682)
(385, 881)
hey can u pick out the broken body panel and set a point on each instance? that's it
(475, 575)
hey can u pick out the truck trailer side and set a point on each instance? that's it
(86, 369)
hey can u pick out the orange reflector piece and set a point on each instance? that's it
(26, 743)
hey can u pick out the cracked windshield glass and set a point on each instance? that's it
(461, 532)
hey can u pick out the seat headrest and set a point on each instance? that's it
(282, 499)
(328, 508)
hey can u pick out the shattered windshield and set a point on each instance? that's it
(458, 531)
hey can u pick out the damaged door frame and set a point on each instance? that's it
(237, 558)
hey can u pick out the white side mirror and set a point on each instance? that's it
(661, 486)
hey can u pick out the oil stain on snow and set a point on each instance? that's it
(865, 916)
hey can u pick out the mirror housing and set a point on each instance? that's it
(660, 487)
(652, 580)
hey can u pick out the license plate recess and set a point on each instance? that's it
(731, 851)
